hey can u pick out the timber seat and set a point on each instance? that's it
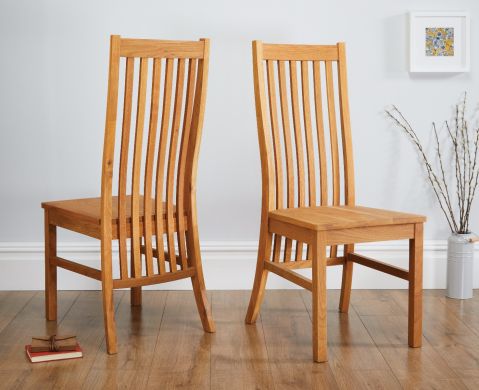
(309, 218)
(84, 215)
(342, 217)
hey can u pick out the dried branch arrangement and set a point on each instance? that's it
(464, 162)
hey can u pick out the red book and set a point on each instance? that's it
(37, 357)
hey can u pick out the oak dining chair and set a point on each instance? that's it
(149, 211)
(308, 197)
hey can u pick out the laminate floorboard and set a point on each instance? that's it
(161, 345)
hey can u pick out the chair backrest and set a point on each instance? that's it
(310, 82)
(157, 154)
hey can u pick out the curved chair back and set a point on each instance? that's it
(155, 106)
(304, 130)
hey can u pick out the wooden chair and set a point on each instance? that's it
(293, 211)
(160, 206)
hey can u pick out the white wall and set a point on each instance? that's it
(53, 69)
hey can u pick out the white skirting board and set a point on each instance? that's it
(228, 265)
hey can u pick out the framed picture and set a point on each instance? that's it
(439, 41)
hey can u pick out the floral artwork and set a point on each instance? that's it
(439, 41)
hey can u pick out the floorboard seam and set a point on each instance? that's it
(438, 352)
(270, 370)
(102, 338)
(265, 341)
(377, 346)
(157, 338)
(301, 295)
(19, 311)
(212, 316)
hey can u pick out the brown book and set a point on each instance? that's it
(53, 344)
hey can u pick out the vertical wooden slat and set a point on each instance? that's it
(318, 105)
(278, 162)
(309, 138)
(333, 136)
(346, 128)
(298, 143)
(181, 185)
(160, 170)
(123, 173)
(150, 157)
(170, 180)
(333, 132)
(308, 132)
(275, 133)
(136, 176)
(297, 132)
(287, 146)
(277, 247)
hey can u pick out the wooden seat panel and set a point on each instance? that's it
(342, 217)
(84, 215)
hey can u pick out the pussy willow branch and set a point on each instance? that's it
(465, 153)
(456, 160)
(430, 173)
(440, 193)
(473, 181)
(443, 174)
(465, 149)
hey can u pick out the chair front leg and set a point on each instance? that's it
(415, 287)
(50, 270)
(261, 275)
(320, 338)
(109, 318)
(107, 293)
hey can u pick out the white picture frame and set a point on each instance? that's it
(439, 41)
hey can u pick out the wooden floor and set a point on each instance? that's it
(162, 345)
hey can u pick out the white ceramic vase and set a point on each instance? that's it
(460, 261)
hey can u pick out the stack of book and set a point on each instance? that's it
(44, 349)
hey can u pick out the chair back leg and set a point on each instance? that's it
(135, 296)
(261, 275)
(198, 282)
(347, 280)
(50, 270)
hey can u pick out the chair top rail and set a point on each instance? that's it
(152, 48)
(285, 52)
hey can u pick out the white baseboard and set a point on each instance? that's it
(228, 265)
